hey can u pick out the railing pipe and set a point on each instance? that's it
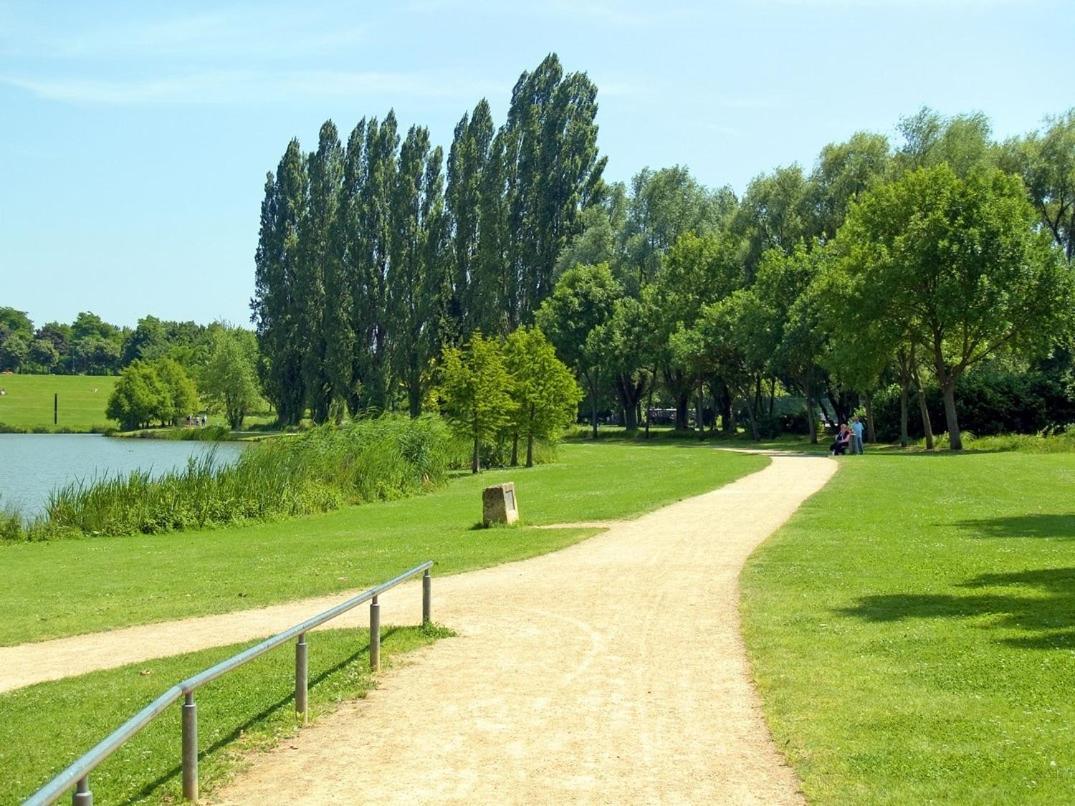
(81, 768)
(77, 774)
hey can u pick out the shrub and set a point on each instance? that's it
(988, 402)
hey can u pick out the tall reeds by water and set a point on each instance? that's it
(316, 471)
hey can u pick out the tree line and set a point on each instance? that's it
(376, 255)
(91, 346)
(903, 265)
(375, 258)
(159, 389)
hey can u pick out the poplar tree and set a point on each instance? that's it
(468, 161)
(325, 172)
(552, 173)
(417, 207)
(342, 273)
(371, 292)
(275, 312)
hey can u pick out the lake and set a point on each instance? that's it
(32, 465)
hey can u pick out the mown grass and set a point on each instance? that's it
(59, 588)
(27, 404)
(45, 727)
(912, 631)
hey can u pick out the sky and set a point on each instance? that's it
(135, 136)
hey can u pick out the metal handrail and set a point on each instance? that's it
(77, 774)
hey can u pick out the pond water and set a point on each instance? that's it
(32, 465)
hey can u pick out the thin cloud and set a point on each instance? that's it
(214, 34)
(232, 86)
(609, 13)
(938, 5)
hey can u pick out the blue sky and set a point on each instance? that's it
(135, 136)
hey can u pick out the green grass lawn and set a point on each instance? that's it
(44, 728)
(27, 404)
(912, 631)
(77, 586)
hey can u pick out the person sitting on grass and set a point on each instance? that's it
(843, 439)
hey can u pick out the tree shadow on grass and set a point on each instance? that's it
(1046, 618)
(260, 716)
(1052, 525)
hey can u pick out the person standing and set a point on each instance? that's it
(856, 436)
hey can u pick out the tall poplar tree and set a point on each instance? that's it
(553, 172)
(468, 160)
(342, 272)
(325, 171)
(371, 294)
(416, 254)
(275, 312)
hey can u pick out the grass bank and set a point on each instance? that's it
(912, 631)
(59, 588)
(44, 728)
(27, 402)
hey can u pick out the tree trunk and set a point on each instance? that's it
(955, 442)
(923, 409)
(593, 410)
(871, 431)
(475, 462)
(682, 402)
(905, 438)
(752, 418)
(726, 420)
(811, 421)
(700, 411)
(515, 449)
(529, 450)
(649, 407)
(772, 395)
(414, 398)
(625, 386)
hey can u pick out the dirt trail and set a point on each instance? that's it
(610, 672)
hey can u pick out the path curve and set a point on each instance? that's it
(609, 672)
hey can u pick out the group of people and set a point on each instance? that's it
(848, 438)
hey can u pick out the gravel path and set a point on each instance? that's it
(609, 672)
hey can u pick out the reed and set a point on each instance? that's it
(316, 471)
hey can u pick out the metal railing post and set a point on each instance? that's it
(78, 772)
(190, 747)
(82, 795)
(427, 596)
(375, 635)
(301, 676)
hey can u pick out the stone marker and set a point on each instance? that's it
(499, 505)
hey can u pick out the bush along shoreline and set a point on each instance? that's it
(316, 471)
